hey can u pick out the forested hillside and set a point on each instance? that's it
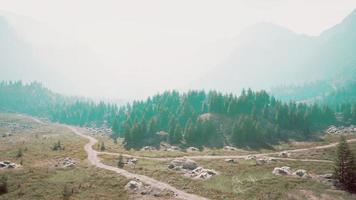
(194, 118)
(34, 99)
(200, 119)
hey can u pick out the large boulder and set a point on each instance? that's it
(201, 173)
(282, 170)
(284, 154)
(182, 163)
(134, 185)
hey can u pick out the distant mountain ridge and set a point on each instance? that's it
(270, 55)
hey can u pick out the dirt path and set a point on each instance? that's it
(94, 160)
(32, 118)
(209, 157)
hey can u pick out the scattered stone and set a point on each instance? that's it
(66, 163)
(286, 171)
(201, 173)
(284, 154)
(341, 130)
(192, 149)
(8, 165)
(191, 169)
(148, 148)
(229, 148)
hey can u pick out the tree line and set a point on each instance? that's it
(193, 118)
(251, 118)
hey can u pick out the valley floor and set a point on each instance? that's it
(42, 176)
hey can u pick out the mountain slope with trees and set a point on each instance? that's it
(194, 118)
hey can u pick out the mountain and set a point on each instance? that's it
(32, 51)
(268, 55)
(16, 56)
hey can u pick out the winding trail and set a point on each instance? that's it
(270, 155)
(94, 160)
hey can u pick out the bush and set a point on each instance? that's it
(19, 153)
(102, 146)
(120, 162)
(67, 192)
(57, 146)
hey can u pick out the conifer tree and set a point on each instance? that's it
(345, 166)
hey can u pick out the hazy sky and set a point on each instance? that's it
(151, 45)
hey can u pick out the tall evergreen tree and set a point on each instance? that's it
(345, 166)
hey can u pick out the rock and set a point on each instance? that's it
(301, 173)
(173, 148)
(271, 159)
(192, 149)
(229, 148)
(205, 117)
(162, 133)
(282, 171)
(287, 171)
(134, 185)
(8, 165)
(284, 154)
(326, 176)
(182, 163)
(230, 160)
(131, 161)
(201, 173)
(261, 161)
(66, 163)
(341, 130)
(148, 148)
(251, 157)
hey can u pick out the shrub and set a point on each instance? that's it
(120, 162)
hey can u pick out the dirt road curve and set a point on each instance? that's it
(94, 160)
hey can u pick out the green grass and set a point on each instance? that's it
(38, 178)
(244, 180)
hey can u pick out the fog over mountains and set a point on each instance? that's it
(265, 56)
(270, 55)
